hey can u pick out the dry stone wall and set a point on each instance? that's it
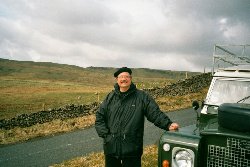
(183, 87)
(69, 111)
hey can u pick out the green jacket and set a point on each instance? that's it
(120, 121)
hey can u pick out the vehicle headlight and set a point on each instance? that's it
(183, 158)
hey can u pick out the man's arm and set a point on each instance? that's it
(100, 124)
(156, 116)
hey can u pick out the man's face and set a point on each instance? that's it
(124, 80)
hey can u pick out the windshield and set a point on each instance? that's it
(229, 91)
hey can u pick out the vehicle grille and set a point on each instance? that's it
(235, 154)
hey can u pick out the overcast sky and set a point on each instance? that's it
(157, 34)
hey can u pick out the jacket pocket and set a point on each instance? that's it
(132, 146)
(109, 144)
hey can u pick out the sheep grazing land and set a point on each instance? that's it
(194, 84)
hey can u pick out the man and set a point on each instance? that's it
(120, 121)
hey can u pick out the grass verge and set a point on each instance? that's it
(50, 128)
(149, 159)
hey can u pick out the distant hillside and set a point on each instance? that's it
(29, 70)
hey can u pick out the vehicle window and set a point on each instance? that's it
(229, 91)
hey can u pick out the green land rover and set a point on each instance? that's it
(221, 135)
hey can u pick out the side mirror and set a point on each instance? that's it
(195, 105)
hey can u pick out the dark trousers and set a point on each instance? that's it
(111, 161)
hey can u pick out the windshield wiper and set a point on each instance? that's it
(242, 100)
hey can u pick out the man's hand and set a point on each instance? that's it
(173, 126)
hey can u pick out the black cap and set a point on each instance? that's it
(123, 69)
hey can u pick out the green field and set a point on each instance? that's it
(27, 87)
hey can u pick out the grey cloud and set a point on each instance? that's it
(112, 33)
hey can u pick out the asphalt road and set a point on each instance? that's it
(46, 151)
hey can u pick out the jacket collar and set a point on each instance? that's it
(131, 89)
